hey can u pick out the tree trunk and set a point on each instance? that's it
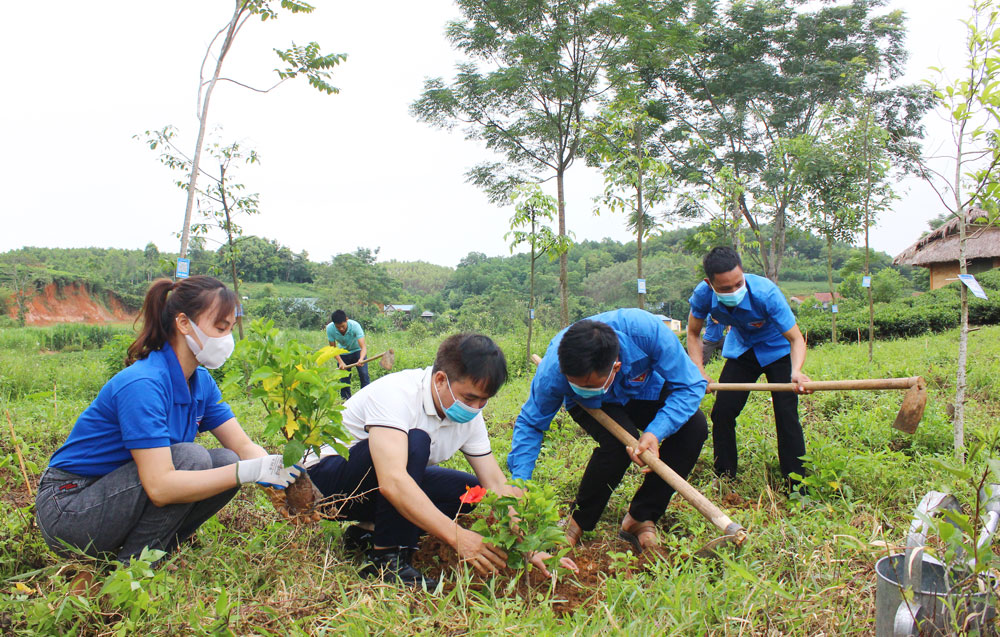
(963, 346)
(232, 252)
(563, 259)
(203, 126)
(737, 235)
(639, 226)
(829, 279)
(531, 291)
(868, 195)
(963, 334)
(772, 264)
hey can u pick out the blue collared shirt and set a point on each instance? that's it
(650, 356)
(759, 322)
(714, 330)
(144, 406)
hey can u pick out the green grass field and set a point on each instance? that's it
(805, 569)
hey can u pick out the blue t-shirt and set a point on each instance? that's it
(144, 406)
(349, 339)
(714, 330)
(651, 356)
(759, 321)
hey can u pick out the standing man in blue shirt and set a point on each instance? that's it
(629, 364)
(347, 333)
(764, 339)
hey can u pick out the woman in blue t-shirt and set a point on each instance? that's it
(130, 475)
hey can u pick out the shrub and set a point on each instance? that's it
(933, 311)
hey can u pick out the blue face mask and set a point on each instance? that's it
(458, 412)
(593, 392)
(732, 299)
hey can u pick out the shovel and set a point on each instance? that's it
(910, 412)
(386, 360)
(733, 531)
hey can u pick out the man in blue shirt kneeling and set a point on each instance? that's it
(629, 364)
(764, 339)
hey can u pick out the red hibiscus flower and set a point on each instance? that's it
(472, 495)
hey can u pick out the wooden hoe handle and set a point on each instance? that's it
(671, 477)
(821, 385)
(367, 360)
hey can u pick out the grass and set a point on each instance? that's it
(804, 569)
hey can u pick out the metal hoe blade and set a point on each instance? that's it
(912, 409)
(388, 359)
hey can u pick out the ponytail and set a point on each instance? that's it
(165, 299)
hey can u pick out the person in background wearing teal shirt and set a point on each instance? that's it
(347, 334)
(130, 475)
(764, 339)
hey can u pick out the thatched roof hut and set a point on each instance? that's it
(938, 250)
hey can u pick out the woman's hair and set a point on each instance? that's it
(474, 357)
(165, 299)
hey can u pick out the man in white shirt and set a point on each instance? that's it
(403, 425)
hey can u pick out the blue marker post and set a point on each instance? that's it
(183, 268)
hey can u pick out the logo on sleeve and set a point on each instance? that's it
(757, 324)
(640, 378)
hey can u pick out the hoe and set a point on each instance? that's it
(733, 531)
(909, 414)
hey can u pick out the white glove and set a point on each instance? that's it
(269, 471)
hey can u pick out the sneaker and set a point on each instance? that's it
(394, 565)
(358, 539)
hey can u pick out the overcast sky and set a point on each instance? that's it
(338, 172)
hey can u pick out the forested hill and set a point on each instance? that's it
(486, 291)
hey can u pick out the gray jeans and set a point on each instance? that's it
(709, 348)
(111, 516)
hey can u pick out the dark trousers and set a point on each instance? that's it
(710, 348)
(609, 461)
(335, 476)
(111, 515)
(354, 357)
(729, 404)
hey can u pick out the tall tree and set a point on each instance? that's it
(533, 211)
(635, 180)
(221, 200)
(841, 190)
(298, 60)
(542, 64)
(762, 72)
(970, 175)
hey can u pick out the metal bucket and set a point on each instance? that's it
(931, 611)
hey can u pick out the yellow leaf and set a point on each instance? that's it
(300, 368)
(834, 484)
(22, 588)
(294, 385)
(271, 382)
(313, 437)
(328, 352)
(291, 426)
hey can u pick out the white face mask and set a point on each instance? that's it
(213, 351)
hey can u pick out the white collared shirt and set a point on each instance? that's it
(404, 400)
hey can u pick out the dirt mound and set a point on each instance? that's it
(72, 303)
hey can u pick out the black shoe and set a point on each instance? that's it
(358, 539)
(394, 565)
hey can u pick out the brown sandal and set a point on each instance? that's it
(641, 535)
(573, 531)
